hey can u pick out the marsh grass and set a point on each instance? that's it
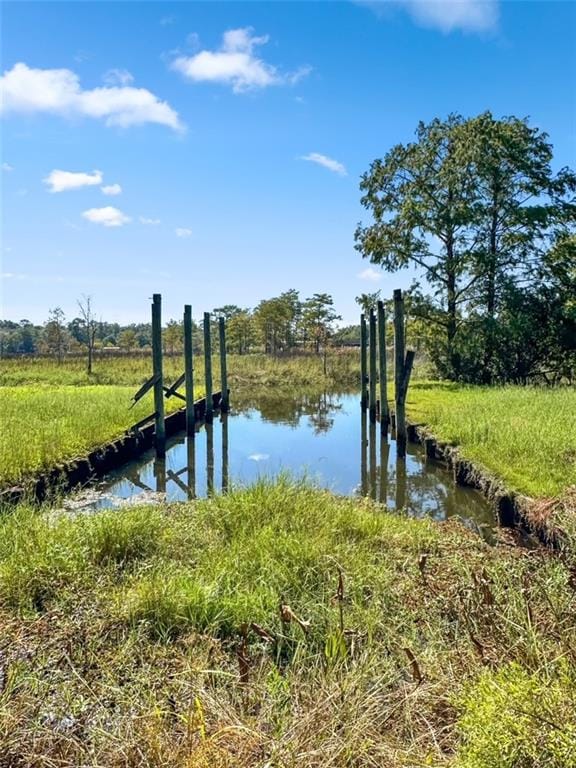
(524, 435)
(210, 634)
(42, 426)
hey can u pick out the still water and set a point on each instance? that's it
(324, 437)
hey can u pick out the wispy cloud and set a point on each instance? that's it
(370, 274)
(150, 222)
(107, 217)
(446, 15)
(62, 181)
(7, 167)
(326, 162)
(118, 77)
(58, 91)
(183, 232)
(111, 189)
(236, 64)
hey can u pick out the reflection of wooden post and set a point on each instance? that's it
(372, 366)
(384, 411)
(160, 474)
(189, 371)
(363, 454)
(208, 366)
(191, 454)
(209, 458)
(384, 452)
(157, 372)
(372, 438)
(224, 453)
(363, 362)
(223, 369)
(400, 484)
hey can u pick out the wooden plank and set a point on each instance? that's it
(136, 427)
(171, 390)
(174, 394)
(143, 389)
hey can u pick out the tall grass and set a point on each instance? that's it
(525, 435)
(280, 626)
(44, 426)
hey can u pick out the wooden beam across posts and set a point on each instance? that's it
(171, 390)
(157, 372)
(225, 405)
(384, 410)
(208, 367)
(372, 358)
(189, 372)
(363, 362)
(399, 373)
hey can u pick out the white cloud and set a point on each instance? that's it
(118, 77)
(58, 91)
(111, 189)
(235, 63)
(61, 181)
(166, 21)
(151, 222)
(370, 274)
(183, 232)
(13, 276)
(108, 216)
(7, 167)
(447, 15)
(326, 162)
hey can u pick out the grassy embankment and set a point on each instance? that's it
(524, 435)
(153, 637)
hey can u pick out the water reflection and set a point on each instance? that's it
(316, 434)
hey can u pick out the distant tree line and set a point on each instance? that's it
(280, 324)
(475, 207)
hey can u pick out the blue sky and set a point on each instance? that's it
(212, 151)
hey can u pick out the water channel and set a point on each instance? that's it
(324, 437)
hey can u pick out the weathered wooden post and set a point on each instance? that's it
(189, 372)
(225, 405)
(208, 366)
(363, 362)
(160, 434)
(400, 495)
(384, 453)
(372, 358)
(363, 453)
(384, 411)
(402, 371)
(399, 373)
(372, 454)
(191, 455)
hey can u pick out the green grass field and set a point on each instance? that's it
(525, 435)
(280, 626)
(43, 426)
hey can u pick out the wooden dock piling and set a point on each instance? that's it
(363, 362)
(225, 406)
(384, 410)
(189, 372)
(372, 359)
(160, 438)
(399, 373)
(208, 366)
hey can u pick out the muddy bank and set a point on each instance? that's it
(513, 510)
(77, 472)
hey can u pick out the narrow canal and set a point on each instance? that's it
(323, 437)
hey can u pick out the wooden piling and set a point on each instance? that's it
(372, 359)
(225, 404)
(157, 372)
(189, 372)
(384, 410)
(399, 373)
(363, 362)
(208, 367)
(224, 453)
(209, 458)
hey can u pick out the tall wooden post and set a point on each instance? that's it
(157, 372)
(384, 411)
(363, 362)
(372, 366)
(399, 373)
(363, 453)
(208, 366)
(224, 453)
(223, 369)
(209, 458)
(189, 371)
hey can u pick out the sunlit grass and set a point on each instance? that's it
(157, 634)
(525, 435)
(42, 426)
